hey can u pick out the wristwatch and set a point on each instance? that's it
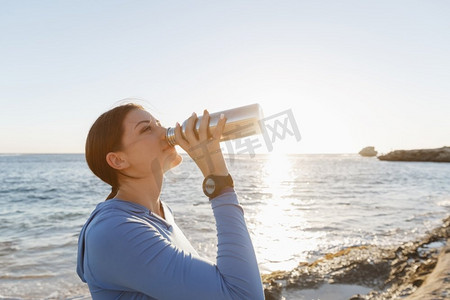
(213, 185)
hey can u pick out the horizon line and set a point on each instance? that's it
(181, 153)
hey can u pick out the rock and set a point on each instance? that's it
(432, 155)
(392, 272)
(368, 151)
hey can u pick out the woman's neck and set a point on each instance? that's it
(142, 192)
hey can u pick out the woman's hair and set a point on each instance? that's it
(105, 136)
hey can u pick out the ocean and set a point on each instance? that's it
(297, 207)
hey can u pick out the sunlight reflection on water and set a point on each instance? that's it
(276, 230)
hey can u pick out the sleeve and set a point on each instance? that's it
(137, 258)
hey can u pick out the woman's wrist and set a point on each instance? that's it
(212, 164)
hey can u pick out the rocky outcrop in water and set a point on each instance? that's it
(368, 151)
(434, 155)
(390, 272)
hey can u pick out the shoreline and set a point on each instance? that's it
(414, 269)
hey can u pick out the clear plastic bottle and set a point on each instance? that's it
(241, 122)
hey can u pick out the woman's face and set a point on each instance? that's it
(145, 146)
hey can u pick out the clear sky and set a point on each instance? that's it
(354, 73)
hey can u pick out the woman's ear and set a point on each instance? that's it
(116, 160)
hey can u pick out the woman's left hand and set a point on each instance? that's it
(204, 150)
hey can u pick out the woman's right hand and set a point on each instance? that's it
(204, 150)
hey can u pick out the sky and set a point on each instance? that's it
(352, 73)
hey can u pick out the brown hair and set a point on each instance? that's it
(105, 136)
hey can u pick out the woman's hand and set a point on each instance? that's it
(204, 150)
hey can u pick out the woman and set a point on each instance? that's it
(130, 247)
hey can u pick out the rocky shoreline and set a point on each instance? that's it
(432, 155)
(390, 272)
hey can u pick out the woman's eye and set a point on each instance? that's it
(147, 128)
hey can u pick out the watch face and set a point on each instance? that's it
(210, 186)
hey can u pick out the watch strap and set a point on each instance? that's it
(214, 185)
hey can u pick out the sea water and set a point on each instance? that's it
(297, 208)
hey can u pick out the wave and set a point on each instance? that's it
(30, 276)
(8, 247)
(444, 203)
(64, 216)
(18, 190)
(9, 298)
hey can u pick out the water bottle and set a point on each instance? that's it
(241, 122)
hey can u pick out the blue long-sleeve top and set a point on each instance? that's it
(127, 252)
